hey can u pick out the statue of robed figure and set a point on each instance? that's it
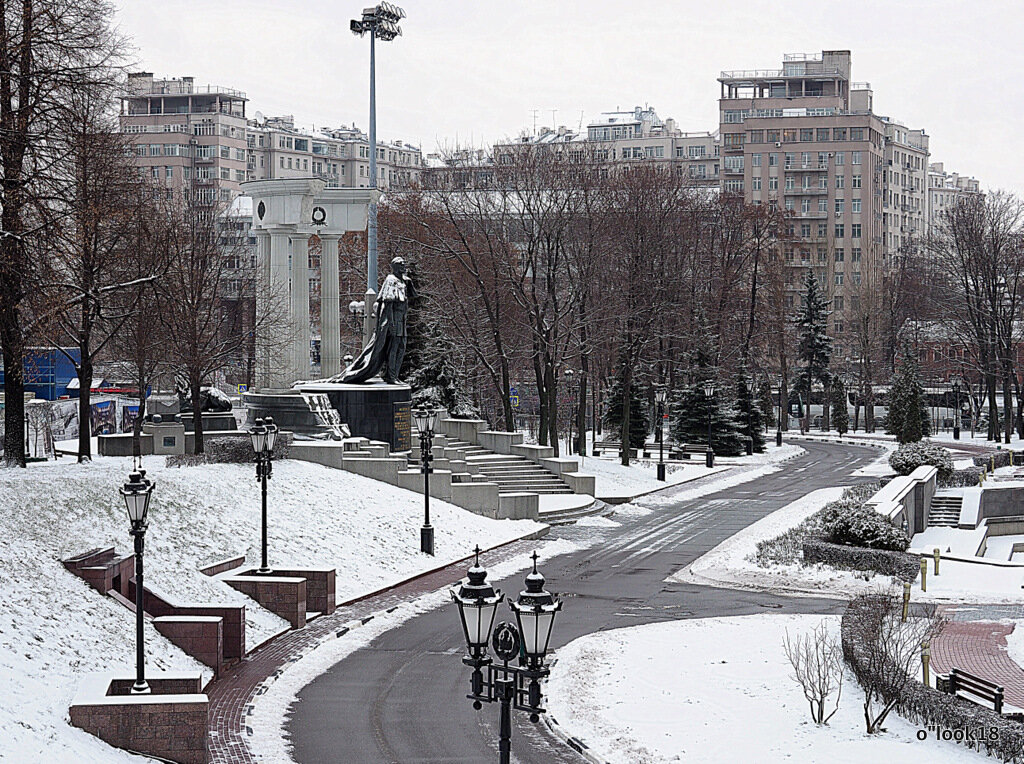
(385, 350)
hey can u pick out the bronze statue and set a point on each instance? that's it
(384, 352)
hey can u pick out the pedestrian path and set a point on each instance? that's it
(974, 639)
(231, 696)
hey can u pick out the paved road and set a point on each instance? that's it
(402, 698)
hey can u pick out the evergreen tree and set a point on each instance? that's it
(766, 403)
(690, 424)
(840, 413)
(750, 416)
(815, 349)
(908, 410)
(638, 418)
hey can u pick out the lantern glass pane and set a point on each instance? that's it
(545, 620)
(134, 503)
(271, 437)
(528, 627)
(422, 421)
(259, 439)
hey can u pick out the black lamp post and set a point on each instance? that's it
(526, 640)
(264, 438)
(137, 493)
(569, 374)
(426, 421)
(660, 394)
(956, 413)
(709, 392)
(778, 420)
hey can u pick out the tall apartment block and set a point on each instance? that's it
(805, 137)
(945, 189)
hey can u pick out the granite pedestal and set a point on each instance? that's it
(374, 410)
(290, 411)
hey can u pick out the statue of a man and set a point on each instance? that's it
(384, 352)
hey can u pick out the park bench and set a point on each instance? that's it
(610, 445)
(686, 451)
(959, 681)
(672, 450)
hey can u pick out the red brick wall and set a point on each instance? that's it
(320, 594)
(284, 596)
(202, 639)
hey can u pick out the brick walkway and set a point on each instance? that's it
(979, 647)
(231, 695)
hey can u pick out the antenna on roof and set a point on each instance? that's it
(580, 128)
(534, 111)
(554, 121)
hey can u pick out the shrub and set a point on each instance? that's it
(864, 527)
(901, 565)
(230, 450)
(910, 456)
(961, 478)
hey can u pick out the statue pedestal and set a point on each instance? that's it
(373, 410)
(287, 406)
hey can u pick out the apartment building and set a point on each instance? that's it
(805, 137)
(340, 156)
(186, 134)
(945, 189)
(625, 136)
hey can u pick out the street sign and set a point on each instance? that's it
(243, 389)
(514, 400)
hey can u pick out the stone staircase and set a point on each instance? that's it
(512, 473)
(945, 511)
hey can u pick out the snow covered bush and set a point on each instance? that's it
(230, 450)
(864, 527)
(910, 456)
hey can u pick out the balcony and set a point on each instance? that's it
(809, 215)
(805, 167)
(732, 170)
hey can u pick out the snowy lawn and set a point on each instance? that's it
(716, 689)
(54, 628)
(613, 481)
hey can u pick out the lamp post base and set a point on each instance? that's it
(778, 437)
(750, 446)
(956, 433)
(140, 688)
(710, 458)
(427, 539)
(661, 471)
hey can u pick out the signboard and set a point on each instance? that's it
(513, 397)
(402, 426)
(243, 389)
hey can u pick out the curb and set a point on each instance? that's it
(883, 444)
(573, 742)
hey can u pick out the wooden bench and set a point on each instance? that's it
(957, 681)
(687, 451)
(611, 445)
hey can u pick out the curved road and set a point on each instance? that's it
(403, 697)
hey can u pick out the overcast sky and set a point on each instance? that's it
(473, 71)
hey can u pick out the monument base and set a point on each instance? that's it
(373, 410)
(290, 411)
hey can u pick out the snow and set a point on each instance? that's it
(692, 690)
(613, 481)
(1015, 642)
(270, 708)
(597, 522)
(54, 628)
(963, 543)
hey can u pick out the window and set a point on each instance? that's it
(839, 206)
(840, 253)
(790, 183)
(822, 159)
(305, 164)
(790, 136)
(790, 158)
(789, 203)
(855, 205)
(225, 173)
(289, 163)
(839, 133)
(855, 277)
(855, 181)
(772, 136)
(225, 152)
(855, 255)
(823, 204)
(789, 301)
(789, 255)
(823, 227)
(805, 255)
(823, 133)
(756, 136)
(823, 181)
(839, 279)
(155, 172)
(822, 255)
(805, 230)
(282, 162)
(240, 175)
(855, 157)
(837, 328)
(805, 207)
(840, 231)
(755, 183)
(855, 230)
(773, 183)
(807, 134)
(856, 133)
(168, 172)
(755, 160)
(695, 152)
(154, 149)
(773, 160)
(840, 181)
(837, 303)
(840, 158)
(805, 159)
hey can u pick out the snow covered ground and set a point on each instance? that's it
(716, 689)
(54, 628)
(613, 481)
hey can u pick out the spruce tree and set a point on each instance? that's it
(815, 349)
(690, 424)
(840, 413)
(766, 403)
(750, 416)
(638, 419)
(430, 367)
(908, 410)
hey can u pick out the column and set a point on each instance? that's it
(330, 309)
(262, 295)
(278, 319)
(299, 306)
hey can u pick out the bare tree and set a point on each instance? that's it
(49, 49)
(817, 661)
(887, 649)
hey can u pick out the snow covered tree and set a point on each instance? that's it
(638, 419)
(908, 410)
(840, 413)
(750, 416)
(690, 424)
(815, 349)
(766, 403)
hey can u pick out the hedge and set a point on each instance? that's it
(230, 450)
(964, 478)
(897, 564)
(1001, 458)
(926, 706)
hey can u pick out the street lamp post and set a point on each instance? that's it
(381, 22)
(569, 374)
(137, 493)
(778, 420)
(264, 438)
(526, 641)
(426, 422)
(709, 392)
(659, 395)
(956, 413)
